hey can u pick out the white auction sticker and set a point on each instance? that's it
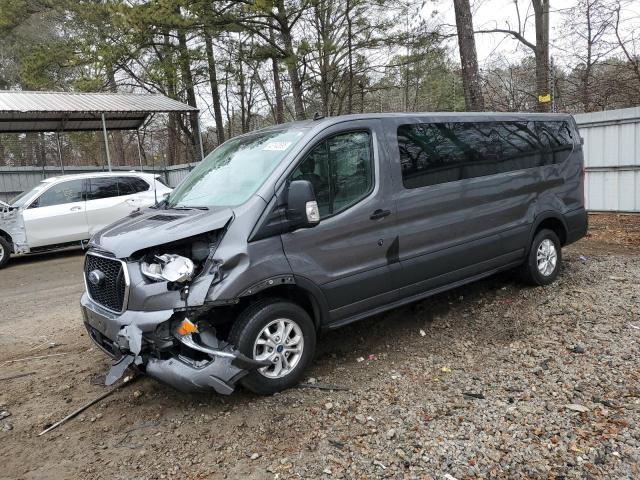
(276, 146)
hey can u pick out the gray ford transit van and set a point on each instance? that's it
(281, 233)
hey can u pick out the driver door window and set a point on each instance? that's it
(64, 192)
(340, 169)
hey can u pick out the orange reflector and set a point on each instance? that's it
(186, 326)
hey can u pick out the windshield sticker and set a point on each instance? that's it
(277, 146)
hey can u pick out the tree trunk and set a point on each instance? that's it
(541, 10)
(172, 124)
(215, 91)
(187, 80)
(294, 76)
(277, 86)
(243, 94)
(116, 135)
(473, 98)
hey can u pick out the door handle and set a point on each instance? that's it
(379, 213)
(75, 209)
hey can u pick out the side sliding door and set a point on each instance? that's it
(465, 192)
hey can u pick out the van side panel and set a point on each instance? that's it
(453, 230)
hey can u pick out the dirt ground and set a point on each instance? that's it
(494, 379)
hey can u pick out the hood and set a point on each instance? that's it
(152, 227)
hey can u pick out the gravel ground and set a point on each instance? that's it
(491, 380)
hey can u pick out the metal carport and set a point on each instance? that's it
(58, 112)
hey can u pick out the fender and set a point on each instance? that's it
(541, 217)
(300, 283)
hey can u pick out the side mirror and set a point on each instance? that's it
(302, 208)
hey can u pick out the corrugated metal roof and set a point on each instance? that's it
(620, 115)
(60, 111)
(34, 102)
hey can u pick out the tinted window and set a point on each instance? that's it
(435, 153)
(340, 170)
(65, 192)
(105, 187)
(131, 185)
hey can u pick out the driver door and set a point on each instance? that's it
(58, 215)
(349, 254)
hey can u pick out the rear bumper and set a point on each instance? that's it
(577, 225)
(174, 363)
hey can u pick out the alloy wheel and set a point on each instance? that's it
(281, 343)
(546, 257)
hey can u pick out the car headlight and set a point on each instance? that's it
(172, 268)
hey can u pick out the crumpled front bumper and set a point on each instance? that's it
(122, 337)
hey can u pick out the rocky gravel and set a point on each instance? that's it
(491, 380)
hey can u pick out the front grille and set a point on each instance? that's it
(111, 291)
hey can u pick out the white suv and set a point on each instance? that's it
(61, 211)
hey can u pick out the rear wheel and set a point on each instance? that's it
(279, 332)
(5, 251)
(543, 262)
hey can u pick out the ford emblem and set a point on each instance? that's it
(96, 278)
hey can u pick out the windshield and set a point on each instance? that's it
(233, 172)
(20, 200)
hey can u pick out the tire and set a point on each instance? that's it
(251, 336)
(5, 252)
(544, 272)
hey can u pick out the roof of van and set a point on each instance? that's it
(305, 124)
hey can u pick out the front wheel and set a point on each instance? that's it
(543, 262)
(279, 332)
(5, 252)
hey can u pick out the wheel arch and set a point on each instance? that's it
(8, 238)
(300, 291)
(553, 221)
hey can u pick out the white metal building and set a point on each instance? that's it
(612, 159)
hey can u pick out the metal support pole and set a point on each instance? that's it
(139, 149)
(553, 86)
(60, 152)
(106, 141)
(197, 114)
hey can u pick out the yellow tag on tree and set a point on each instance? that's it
(544, 98)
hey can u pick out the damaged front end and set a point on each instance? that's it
(140, 310)
(186, 355)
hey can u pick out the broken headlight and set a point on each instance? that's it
(169, 267)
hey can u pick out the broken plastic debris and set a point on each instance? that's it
(372, 357)
(446, 369)
(582, 258)
(422, 333)
(360, 359)
(117, 369)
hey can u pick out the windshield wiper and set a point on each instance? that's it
(185, 207)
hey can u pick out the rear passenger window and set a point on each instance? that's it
(434, 153)
(131, 185)
(340, 170)
(102, 187)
